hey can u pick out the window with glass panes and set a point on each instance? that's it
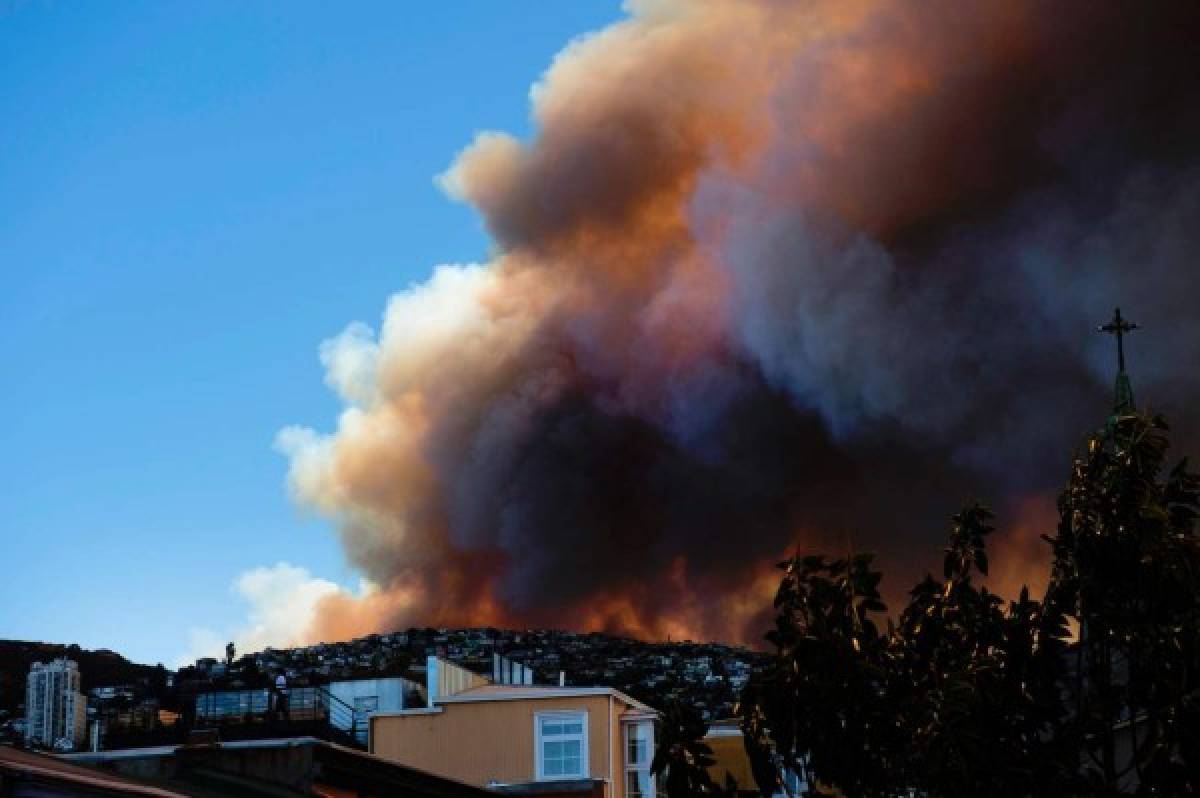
(639, 753)
(562, 745)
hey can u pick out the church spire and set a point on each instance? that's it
(1119, 327)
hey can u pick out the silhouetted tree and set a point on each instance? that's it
(682, 758)
(1127, 572)
(978, 685)
(966, 694)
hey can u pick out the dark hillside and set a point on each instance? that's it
(99, 667)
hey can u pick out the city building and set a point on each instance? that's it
(730, 761)
(338, 711)
(121, 715)
(521, 738)
(55, 709)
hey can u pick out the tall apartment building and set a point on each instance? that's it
(55, 709)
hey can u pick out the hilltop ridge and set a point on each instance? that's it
(97, 667)
(706, 675)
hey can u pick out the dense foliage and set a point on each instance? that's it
(1094, 690)
(682, 758)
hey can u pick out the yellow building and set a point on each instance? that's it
(730, 760)
(522, 738)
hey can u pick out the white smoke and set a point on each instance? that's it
(281, 604)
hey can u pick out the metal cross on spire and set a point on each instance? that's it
(1123, 401)
(1118, 327)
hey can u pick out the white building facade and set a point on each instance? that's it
(55, 708)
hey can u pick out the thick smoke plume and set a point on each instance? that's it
(771, 275)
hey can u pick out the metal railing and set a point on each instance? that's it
(345, 717)
(313, 708)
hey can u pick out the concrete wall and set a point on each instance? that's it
(443, 678)
(288, 766)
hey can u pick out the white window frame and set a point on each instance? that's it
(579, 715)
(629, 767)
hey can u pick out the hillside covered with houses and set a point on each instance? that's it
(706, 675)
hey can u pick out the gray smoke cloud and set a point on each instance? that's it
(770, 276)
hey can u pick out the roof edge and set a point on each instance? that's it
(550, 692)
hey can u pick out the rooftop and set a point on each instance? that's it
(299, 766)
(40, 770)
(511, 692)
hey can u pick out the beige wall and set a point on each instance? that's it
(485, 741)
(453, 679)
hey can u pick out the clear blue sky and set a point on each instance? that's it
(192, 196)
